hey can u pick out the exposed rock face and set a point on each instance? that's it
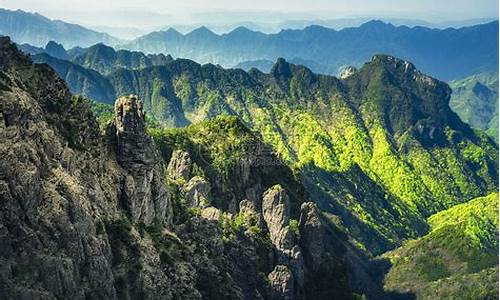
(281, 279)
(276, 212)
(347, 72)
(180, 165)
(211, 213)
(144, 194)
(312, 234)
(196, 192)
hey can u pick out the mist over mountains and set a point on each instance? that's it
(438, 52)
(37, 30)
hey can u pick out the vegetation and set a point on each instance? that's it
(459, 253)
(475, 100)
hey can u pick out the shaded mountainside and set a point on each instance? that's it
(457, 259)
(80, 80)
(114, 214)
(37, 30)
(84, 70)
(475, 100)
(437, 52)
(105, 59)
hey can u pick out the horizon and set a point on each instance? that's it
(221, 27)
(130, 19)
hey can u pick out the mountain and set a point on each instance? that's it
(437, 52)
(81, 81)
(266, 65)
(286, 185)
(114, 214)
(105, 59)
(79, 67)
(394, 140)
(37, 30)
(475, 100)
(262, 65)
(457, 259)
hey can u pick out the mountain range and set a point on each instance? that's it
(440, 53)
(37, 30)
(128, 174)
(98, 72)
(447, 54)
(287, 185)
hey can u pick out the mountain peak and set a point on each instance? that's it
(203, 30)
(376, 24)
(172, 31)
(241, 30)
(397, 63)
(56, 50)
(281, 69)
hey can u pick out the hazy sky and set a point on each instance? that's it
(153, 13)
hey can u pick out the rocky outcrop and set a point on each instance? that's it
(144, 194)
(180, 165)
(196, 191)
(281, 279)
(347, 72)
(276, 213)
(312, 234)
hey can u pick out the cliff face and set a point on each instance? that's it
(63, 188)
(87, 215)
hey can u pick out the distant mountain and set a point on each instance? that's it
(37, 30)
(105, 59)
(81, 81)
(265, 65)
(475, 100)
(446, 54)
(84, 70)
(53, 49)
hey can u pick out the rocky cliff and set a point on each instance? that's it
(115, 215)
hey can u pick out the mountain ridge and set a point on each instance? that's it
(38, 30)
(223, 50)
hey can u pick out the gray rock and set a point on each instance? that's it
(196, 191)
(144, 194)
(348, 72)
(180, 165)
(281, 281)
(313, 234)
(276, 213)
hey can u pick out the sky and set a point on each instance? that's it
(150, 14)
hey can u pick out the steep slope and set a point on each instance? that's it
(458, 258)
(108, 215)
(381, 142)
(436, 52)
(37, 30)
(475, 100)
(81, 81)
(104, 59)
